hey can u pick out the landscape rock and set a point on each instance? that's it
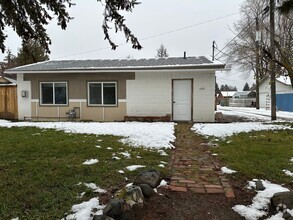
(283, 198)
(147, 191)
(102, 217)
(131, 194)
(219, 116)
(117, 209)
(259, 186)
(287, 216)
(150, 177)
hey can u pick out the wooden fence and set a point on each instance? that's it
(8, 102)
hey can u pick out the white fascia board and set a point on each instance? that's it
(119, 71)
(200, 67)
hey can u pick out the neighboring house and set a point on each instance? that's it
(7, 81)
(181, 89)
(243, 99)
(225, 96)
(284, 93)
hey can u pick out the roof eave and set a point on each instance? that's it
(212, 67)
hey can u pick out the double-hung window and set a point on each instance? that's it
(102, 93)
(53, 93)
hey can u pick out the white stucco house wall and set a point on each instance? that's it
(178, 88)
(283, 86)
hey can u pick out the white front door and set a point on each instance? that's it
(182, 100)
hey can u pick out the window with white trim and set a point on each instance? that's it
(53, 93)
(102, 93)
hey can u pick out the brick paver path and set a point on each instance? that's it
(193, 167)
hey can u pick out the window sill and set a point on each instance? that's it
(53, 105)
(92, 105)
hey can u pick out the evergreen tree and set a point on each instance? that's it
(228, 88)
(162, 51)
(31, 52)
(28, 18)
(9, 59)
(246, 87)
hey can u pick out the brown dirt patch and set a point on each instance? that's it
(189, 205)
(168, 205)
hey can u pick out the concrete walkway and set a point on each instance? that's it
(193, 167)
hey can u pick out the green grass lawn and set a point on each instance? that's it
(262, 155)
(40, 170)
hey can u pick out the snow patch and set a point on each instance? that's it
(260, 203)
(163, 183)
(149, 135)
(125, 154)
(85, 210)
(94, 187)
(288, 172)
(90, 161)
(162, 153)
(116, 158)
(134, 167)
(229, 129)
(120, 171)
(227, 170)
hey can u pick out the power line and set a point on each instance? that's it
(155, 36)
(233, 38)
(189, 26)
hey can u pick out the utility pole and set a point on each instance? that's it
(213, 56)
(272, 61)
(257, 67)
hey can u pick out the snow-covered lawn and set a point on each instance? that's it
(157, 136)
(229, 129)
(254, 114)
(149, 135)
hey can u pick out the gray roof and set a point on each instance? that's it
(122, 64)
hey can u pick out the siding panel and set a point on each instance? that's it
(285, 102)
(77, 82)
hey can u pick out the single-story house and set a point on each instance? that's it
(180, 88)
(284, 93)
(7, 81)
(224, 97)
(243, 99)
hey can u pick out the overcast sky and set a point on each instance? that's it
(189, 25)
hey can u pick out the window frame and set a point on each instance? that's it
(53, 104)
(102, 93)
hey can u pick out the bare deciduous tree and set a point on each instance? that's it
(242, 51)
(162, 51)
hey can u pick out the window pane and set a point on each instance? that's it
(60, 93)
(95, 93)
(47, 93)
(109, 90)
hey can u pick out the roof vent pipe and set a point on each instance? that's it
(184, 56)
